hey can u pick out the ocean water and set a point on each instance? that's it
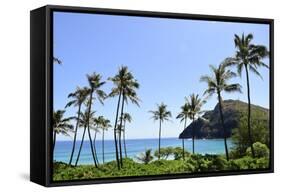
(134, 148)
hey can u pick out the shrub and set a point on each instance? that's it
(177, 152)
(164, 152)
(261, 150)
(248, 162)
(218, 163)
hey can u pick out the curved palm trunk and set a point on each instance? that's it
(103, 146)
(159, 141)
(75, 134)
(95, 150)
(249, 113)
(80, 148)
(120, 131)
(124, 140)
(115, 136)
(92, 149)
(222, 123)
(88, 127)
(183, 155)
(193, 134)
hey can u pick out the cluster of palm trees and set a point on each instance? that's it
(125, 86)
(248, 56)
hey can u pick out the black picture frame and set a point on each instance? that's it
(41, 87)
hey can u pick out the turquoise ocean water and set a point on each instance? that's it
(134, 148)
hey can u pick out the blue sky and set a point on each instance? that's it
(166, 56)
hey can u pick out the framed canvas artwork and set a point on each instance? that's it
(121, 95)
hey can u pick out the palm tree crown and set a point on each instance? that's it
(95, 83)
(161, 113)
(127, 117)
(126, 84)
(247, 55)
(194, 103)
(218, 81)
(79, 96)
(185, 112)
(83, 122)
(61, 125)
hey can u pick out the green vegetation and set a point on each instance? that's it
(192, 164)
(145, 157)
(260, 132)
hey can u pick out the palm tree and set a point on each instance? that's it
(83, 122)
(95, 84)
(125, 88)
(146, 157)
(160, 114)
(61, 125)
(126, 118)
(183, 115)
(194, 103)
(104, 127)
(217, 83)
(78, 97)
(249, 57)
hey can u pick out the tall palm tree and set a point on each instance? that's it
(125, 86)
(83, 122)
(217, 83)
(61, 125)
(78, 97)
(96, 92)
(105, 125)
(249, 57)
(126, 118)
(161, 114)
(194, 103)
(183, 115)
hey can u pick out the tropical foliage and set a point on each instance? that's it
(61, 125)
(192, 164)
(145, 157)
